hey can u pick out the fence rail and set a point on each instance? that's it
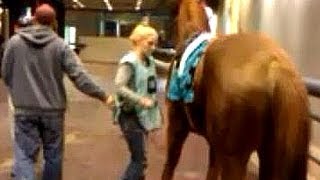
(315, 117)
(313, 87)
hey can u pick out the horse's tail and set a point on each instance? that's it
(291, 123)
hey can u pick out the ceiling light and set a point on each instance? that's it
(137, 8)
(78, 4)
(138, 5)
(108, 5)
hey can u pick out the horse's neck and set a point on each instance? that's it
(191, 19)
(182, 45)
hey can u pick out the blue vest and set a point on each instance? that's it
(145, 85)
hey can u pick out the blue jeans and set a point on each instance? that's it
(32, 131)
(135, 137)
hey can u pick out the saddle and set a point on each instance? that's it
(180, 85)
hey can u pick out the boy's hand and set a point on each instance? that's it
(146, 102)
(110, 101)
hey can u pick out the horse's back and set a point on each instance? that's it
(237, 64)
(239, 74)
(244, 62)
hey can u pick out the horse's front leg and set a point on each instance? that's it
(177, 133)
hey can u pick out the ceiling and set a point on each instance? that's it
(121, 5)
(118, 5)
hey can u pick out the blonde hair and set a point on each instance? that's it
(142, 31)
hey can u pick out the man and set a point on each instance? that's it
(22, 22)
(34, 62)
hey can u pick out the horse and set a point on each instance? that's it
(248, 96)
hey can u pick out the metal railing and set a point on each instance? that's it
(313, 87)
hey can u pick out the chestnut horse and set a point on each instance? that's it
(248, 96)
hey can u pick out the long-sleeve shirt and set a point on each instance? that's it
(33, 66)
(135, 80)
(122, 80)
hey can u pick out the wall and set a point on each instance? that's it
(295, 26)
(292, 23)
(88, 21)
(103, 49)
(98, 47)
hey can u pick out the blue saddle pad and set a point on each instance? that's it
(180, 85)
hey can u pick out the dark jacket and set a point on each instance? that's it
(33, 67)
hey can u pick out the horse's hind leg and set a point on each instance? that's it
(274, 165)
(177, 133)
(213, 170)
(265, 163)
(234, 167)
